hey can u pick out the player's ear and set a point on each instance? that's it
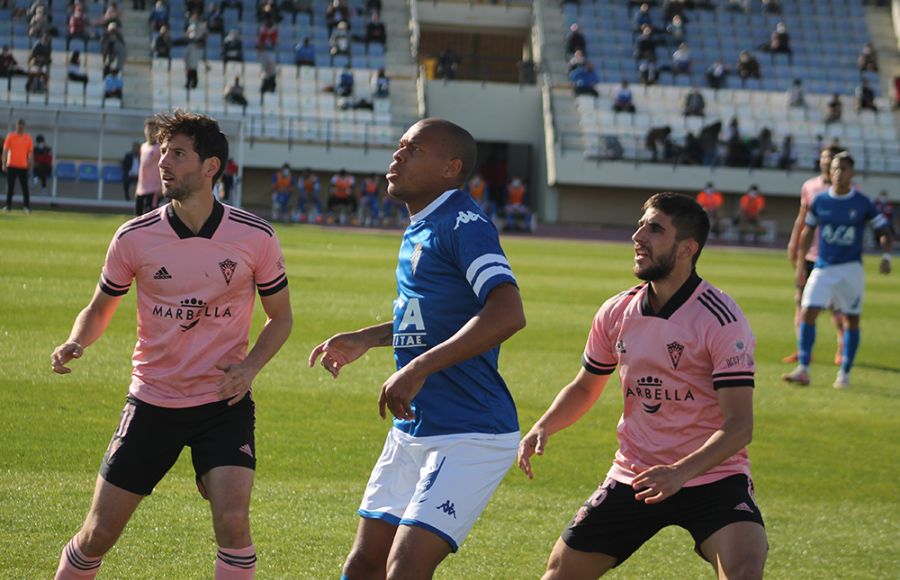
(453, 168)
(211, 167)
(688, 248)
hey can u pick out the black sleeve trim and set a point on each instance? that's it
(596, 368)
(274, 289)
(733, 383)
(112, 291)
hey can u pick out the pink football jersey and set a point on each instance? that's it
(671, 364)
(196, 294)
(811, 188)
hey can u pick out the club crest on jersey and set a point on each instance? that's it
(620, 347)
(416, 256)
(675, 351)
(465, 217)
(227, 266)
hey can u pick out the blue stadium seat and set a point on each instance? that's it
(88, 172)
(66, 171)
(112, 173)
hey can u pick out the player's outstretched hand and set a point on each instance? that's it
(532, 444)
(656, 483)
(236, 381)
(338, 351)
(398, 392)
(63, 354)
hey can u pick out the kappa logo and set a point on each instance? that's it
(448, 508)
(245, 448)
(675, 351)
(162, 274)
(227, 266)
(416, 256)
(466, 217)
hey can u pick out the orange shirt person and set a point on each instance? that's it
(711, 201)
(17, 158)
(752, 205)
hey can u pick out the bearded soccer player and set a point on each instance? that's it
(838, 217)
(197, 264)
(685, 357)
(811, 188)
(455, 427)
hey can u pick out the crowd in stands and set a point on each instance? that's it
(661, 34)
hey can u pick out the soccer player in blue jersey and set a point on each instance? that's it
(841, 214)
(455, 428)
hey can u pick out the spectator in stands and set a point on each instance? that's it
(476, 189)
(747, 67)
(34, 6)
(752, 205)
(39, 66)
(39, 23)
(43, 163)
(373, 6)
(9, 67)
(309, 194)
(193, 8)
(234, 94)
(788, 157)
(762, 149)
(304, 53)
(215, 21)
(715, 75)
(113, 51)
(692, 152)
(649, 73)
(369, 197)
(232, 48)
(834, 109)
(673, 8)
(375, 32)
(711, 200)
(780, 43)
(381, 85)
(624, 101)
(771, 6)
(267, 35)
(345, 83)
(196, 28)
(159, 16)
(236, 4)
(268, 70)
(868, 59)
(16, 160)
(131, 168)
(575, 41)
(229, 178)
(681, 60)
(448, 64)
(78, 27)
(737, 153)
(339, 43)
(584, 80)
(865, 97)
(110, 15)
(268, 10)
(645, 46)
(676, 31)
(709, 143)
(341, 195)
(337, 12)
(518, 216)
(641, 18)
(283, 186)
(161, 46)
(694, 103)
(112, 86)
(75, 70)
(795, 96)
(659, 142)
(192, 55)
(578, 60)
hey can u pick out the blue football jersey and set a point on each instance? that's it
(841, 221)
(450, 260)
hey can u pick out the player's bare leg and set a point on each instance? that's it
(228, 489)
(566, 563)
(737, 551)
(840, 326)
(368, 557)
(415, 554)
(111, 508)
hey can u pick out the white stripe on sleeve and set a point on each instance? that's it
(484, 260)
(488, 274)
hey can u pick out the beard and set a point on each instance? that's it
(182, 189)
(660, 269)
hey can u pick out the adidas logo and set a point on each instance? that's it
(162, 274)
(743, 507)
(246, 449)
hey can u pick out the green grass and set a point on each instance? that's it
(826, 462)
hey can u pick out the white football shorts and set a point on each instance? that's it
(440, 483)
(840, 286)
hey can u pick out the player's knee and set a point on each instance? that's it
(233, 528)
(95, 540)
(748, 567)
(362, 565)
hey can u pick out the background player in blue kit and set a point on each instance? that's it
(455, 430)
(841, 214)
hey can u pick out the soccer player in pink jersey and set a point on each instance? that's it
(198, 265)
(811, 188)
(685, 357)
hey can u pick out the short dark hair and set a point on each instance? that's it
(689, 218)
(209, 140)
(834, 150)
(459, 144)
(844, 156)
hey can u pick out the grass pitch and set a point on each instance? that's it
(825, 462)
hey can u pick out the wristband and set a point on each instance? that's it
(886, 256)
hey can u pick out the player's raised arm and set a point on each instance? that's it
(570, 404)
(345, 347)
(89, 325)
